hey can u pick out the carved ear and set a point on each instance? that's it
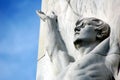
(41, 14)
(102, 32)
(100, 35)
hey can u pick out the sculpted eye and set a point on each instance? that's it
(82, 25)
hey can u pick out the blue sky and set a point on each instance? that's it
(19, 33)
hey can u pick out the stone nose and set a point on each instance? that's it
(77, 29)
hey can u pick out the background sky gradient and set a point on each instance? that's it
(19, 33)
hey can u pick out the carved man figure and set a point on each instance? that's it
(100, 59)
(89, 32)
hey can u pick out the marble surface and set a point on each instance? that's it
(68, 12)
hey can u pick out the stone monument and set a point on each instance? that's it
(72, 46)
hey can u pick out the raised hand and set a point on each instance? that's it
(55, 45)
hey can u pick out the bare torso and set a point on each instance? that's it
(90, 67)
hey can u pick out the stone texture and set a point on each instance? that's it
(68, 11)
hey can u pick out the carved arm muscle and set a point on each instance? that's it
(55, 45)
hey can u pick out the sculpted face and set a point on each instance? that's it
(88, 30)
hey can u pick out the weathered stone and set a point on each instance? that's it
(68, 12)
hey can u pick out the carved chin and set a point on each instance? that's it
(77, 43)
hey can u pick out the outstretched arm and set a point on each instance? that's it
(113, 57)
(55, 45)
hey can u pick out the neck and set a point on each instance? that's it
(87, 47)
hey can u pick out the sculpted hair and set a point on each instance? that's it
(102, 28)
(103, 31)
